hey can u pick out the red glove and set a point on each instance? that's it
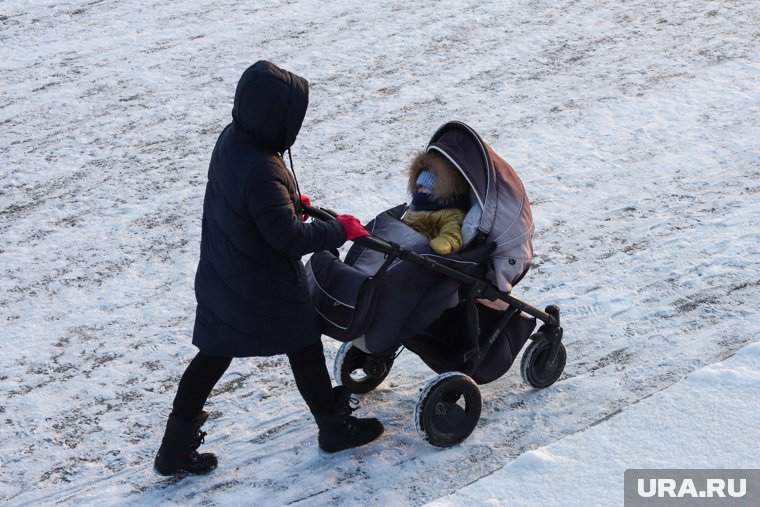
(306, 202)
(352, 225)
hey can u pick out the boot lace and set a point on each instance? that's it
(349, 405)
(199, 440)
(352, 404)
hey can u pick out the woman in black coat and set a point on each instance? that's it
(251, 287)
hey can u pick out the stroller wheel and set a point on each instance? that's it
(448, 409)
(358, 371)
(534, 367)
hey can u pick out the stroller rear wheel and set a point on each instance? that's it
(448, 409)
(358, 371)
(535, 367)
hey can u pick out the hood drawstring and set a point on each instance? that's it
(298, 189)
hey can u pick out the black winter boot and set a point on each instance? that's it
(339, 430)
(177, 454)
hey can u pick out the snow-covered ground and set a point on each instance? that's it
(703, 422)
(634, 126)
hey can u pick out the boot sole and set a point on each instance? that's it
(180, 473)
(330, 450)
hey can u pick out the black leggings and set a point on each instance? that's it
(203, 372)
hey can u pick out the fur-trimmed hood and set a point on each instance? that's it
(449, 181)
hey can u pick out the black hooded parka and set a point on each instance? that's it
(251, 287)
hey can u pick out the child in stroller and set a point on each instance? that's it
(427, 302)
(440, 199)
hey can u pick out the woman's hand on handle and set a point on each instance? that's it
(305, 201)
(352, 225)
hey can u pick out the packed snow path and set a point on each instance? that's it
(634, 127)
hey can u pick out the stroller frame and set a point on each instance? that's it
(476, 288)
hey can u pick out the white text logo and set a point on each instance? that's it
(714, 488)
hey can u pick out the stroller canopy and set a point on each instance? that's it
(502, 211)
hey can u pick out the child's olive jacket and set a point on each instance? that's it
(442, 227)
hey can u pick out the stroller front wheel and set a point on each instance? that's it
(358, 371)
(448, 409)
(535, 367)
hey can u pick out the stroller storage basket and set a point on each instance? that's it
(444, 345)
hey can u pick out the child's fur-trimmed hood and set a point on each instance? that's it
(449, 181)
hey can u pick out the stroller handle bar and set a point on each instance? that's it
(480, 288)
(370, 242)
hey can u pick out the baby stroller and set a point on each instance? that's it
(392, 291)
